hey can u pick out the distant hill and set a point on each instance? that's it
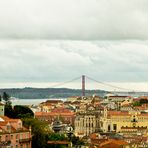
(41, 93)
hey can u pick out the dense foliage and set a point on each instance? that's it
(38, 93)
(139, 103)
(39, 132)
(18, 111)
(5, 96)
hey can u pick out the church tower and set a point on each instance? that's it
(2, 109)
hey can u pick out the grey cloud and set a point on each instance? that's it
(50, 61)
(74, 19)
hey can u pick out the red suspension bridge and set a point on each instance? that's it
(83, 85)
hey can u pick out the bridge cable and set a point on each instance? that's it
(63, 83)
(113, 86)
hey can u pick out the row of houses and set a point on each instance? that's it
(12, 132)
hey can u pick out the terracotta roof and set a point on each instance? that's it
(54, 114)
(112, 143)
(39, 113)
(139, 107)
(58, 142)
(118, 113)
(3, 123)
(52, 102)
(144, 114)
(144, 97)
(81, 133)
(61, 110)
(93, 136)
(4, 117)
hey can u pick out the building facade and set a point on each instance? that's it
(87, 122)
(117, 120)
(13, 134)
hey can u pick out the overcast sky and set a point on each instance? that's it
(50, 41)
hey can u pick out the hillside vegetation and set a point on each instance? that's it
(41, 93)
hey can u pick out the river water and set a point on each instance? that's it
(29, 101)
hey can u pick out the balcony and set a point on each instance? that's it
(5, 143)
(25, 140)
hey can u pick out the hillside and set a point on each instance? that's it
(39, 93)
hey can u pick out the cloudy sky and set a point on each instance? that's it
(45, 42)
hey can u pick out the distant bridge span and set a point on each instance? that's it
(83, 84)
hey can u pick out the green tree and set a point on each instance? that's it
(22, 112)
(0, 98)
(76, 140)
(18, 111)
(57, 137)
(143, 101)
(137, 103)
(6, 97)
(39, 132)
(9, 110)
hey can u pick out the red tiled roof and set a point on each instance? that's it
(112, 143)
(143, 114)
(143, 97)
(4, 117)
(54, 113)
(3, 123)
(58, 142)
(61, 110)
(118, 113)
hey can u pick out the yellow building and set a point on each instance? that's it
(116, 120)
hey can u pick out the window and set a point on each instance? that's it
(8, 127)
(115, 127)
(21, 136)
(11, 136)
(108, 127)
(16, 136)
(27, 135)
(6, 137)
(134, 120)
(27, 145)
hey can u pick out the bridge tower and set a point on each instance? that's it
(83, 85)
